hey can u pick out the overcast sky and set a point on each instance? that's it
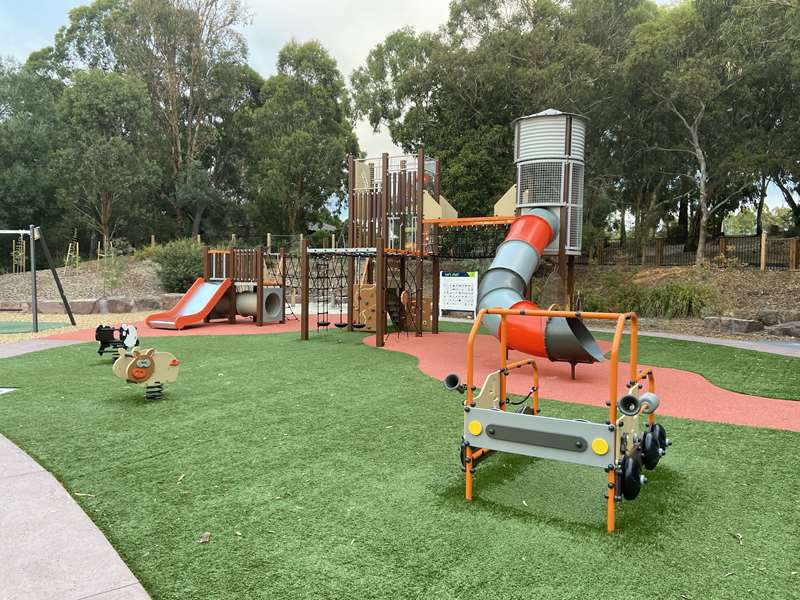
(349, 29)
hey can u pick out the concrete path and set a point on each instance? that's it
(26, 346)
(50, 549)
(785, 348)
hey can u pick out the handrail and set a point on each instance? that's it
(613, 383)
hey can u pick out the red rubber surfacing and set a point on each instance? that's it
(683, 394)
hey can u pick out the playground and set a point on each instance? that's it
(236, 444)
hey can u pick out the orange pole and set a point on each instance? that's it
(503, 360)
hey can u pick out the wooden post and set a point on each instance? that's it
(435, 275)
(420, 191)
(723, 247)
(351, 209)
(763, 261)
(230, 272)
(333, 240)
(659, 251)
(259, 318)
(304, 290)
(380, 293)
(269, 243)
(206, 265)
(351, 282)
(199, 241)
(383, 212)
(794, 254)
(282, 280)
(152, 239)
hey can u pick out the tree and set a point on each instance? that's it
(681, 58)
(27, 129)
(301, 135)
(182, 50)
(101, 163)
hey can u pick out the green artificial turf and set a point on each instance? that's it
(328, 469)
(25, 326)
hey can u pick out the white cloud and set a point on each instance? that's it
(348, 29)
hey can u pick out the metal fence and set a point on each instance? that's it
(741, 250)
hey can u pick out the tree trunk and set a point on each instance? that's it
(760, 208)
(105, 219)
(197, 219)
(622, 234)
(683, 219)
(788, 196)
(704, 214)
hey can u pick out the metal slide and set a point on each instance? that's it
(195, 305)
(503, 286)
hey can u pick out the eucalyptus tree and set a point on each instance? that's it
(300, 136)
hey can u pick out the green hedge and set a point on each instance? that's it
(179, 264)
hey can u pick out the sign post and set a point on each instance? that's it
(458, 291)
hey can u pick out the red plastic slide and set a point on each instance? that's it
(195, 305)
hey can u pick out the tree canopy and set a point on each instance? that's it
(144, 117)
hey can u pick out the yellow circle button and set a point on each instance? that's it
(600, 446)
(475, 427)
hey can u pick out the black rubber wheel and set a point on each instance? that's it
(661, 434)
(651, 450)
(631, 481)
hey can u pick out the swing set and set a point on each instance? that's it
(32, 234)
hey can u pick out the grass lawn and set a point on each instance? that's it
(329, 469)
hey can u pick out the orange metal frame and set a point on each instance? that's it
(469, 221)
(613, 390)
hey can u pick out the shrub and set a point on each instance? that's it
(179, 264)
(146, 252)
(671, 301)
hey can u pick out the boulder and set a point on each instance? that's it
(790, 316)
(147, 303)
(770, 317)
(82, 306)
(790, 329)
(105, 306)
(168, 301)
(741, 325)
(732, 324)
(50, 307)
(13, 306)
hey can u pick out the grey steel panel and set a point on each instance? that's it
(499, 278)
(569, 340)
(500, 298)
(541, 425)
(517, 256)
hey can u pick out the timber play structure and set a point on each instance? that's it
(234, 282)
(398, 218)
(381, 272)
